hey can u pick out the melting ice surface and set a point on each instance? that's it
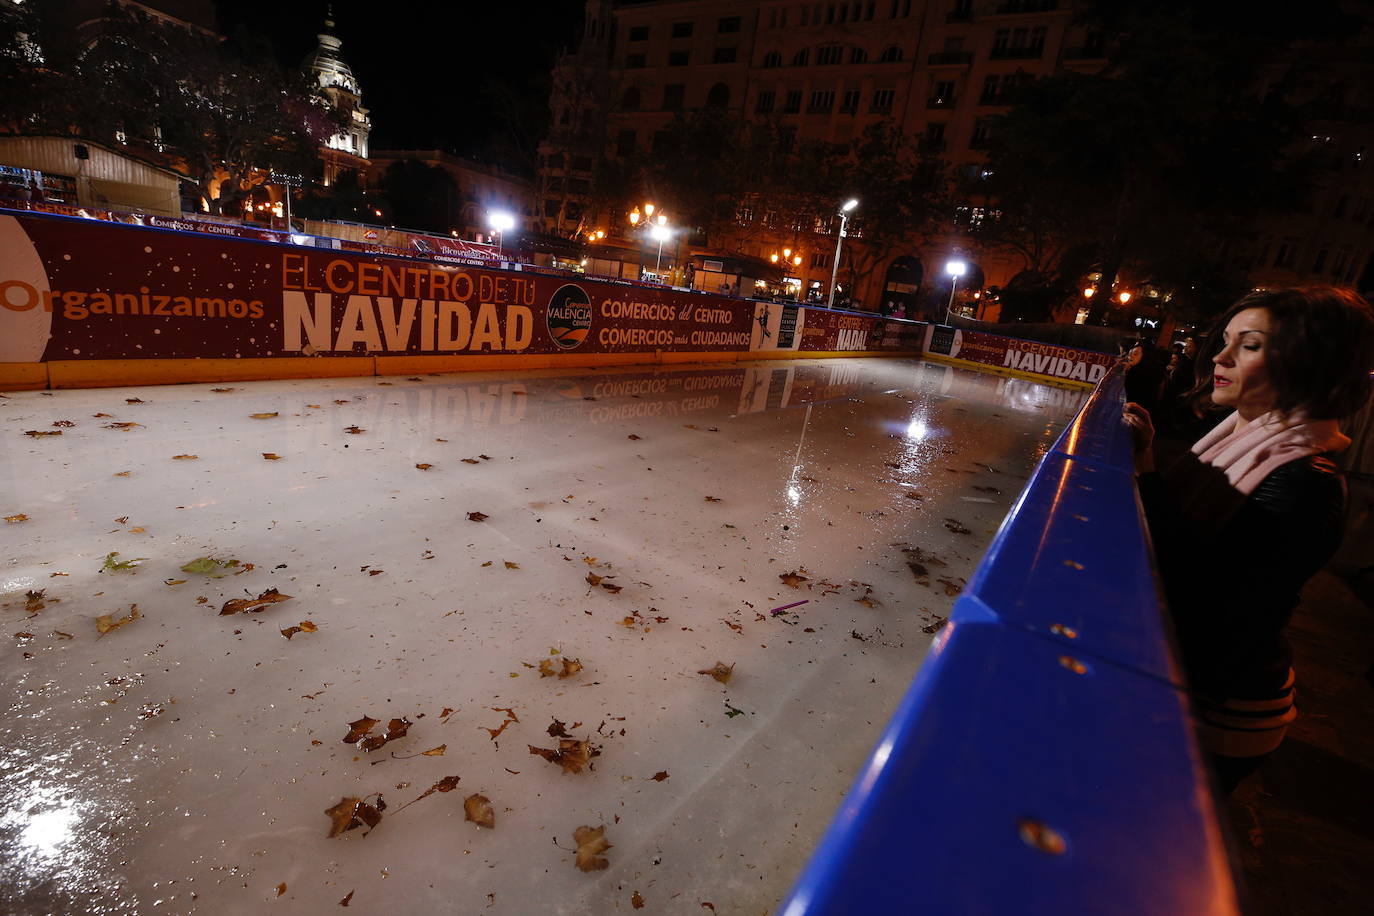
(183, 761)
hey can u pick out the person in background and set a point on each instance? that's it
(1145, 374)
(1254, 509)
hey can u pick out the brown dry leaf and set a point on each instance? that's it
(122, 425)
(134, 401)
(33, 602)
(281, 888)
(632, 436)
(713, 499)
(347, 897)
(628, 622)
(867, 601)
(477, 517)
(593, 579)
(510, 565)
(570, 667)
(613, 589)
(470, 461)
(185, 457)
(314, 406)
(234, 605)
(447, 784)
(510, 717)
(66, 423)
(40, 433)
(435, 751)
(591, 843)
(935, 625)
(636, 901)
(107, 622)
(477, 808)
(122, 473)
(359, 728)
(546, 668)
(793, 579)
(353, 812)
(271, 456)
(395, 729)
(557, 729)
(222, 390)
(352, 430)
(953, 524)
(732, 625)
(375, 572)
(264, 416)
(590, 561)
(721, 672)
(98, 415)
(60, 635)
(12, 519)
(424, 467)
(659, 776)
(572, 755)
(305, 626)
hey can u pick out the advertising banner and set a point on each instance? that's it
(84, 289)
(1029, 356)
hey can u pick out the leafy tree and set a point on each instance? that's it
(219, 109)
(1173, 148)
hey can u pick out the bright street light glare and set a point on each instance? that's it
(849, 205)
(500, 220)
(660, 232)
(956, 268)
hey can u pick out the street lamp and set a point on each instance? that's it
(1124, 297)
(660, 232)
(835, 271)
(955, 269)
(500, 222)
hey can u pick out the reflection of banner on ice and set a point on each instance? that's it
(766, 389)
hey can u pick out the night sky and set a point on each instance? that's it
(432, 73)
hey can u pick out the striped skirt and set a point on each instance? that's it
(1245, 728)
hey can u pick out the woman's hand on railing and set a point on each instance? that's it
(1142, 436)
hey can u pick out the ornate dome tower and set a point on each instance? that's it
(338, 84)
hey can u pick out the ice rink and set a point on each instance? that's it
(556, 560)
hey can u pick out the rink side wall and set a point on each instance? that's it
(1042, 760)
(94, 302)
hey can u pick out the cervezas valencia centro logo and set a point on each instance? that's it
(569, 316)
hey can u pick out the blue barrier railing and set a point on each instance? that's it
(1042, 760)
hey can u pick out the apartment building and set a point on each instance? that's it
(938, 69)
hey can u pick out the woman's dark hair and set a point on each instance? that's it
(1320, 351)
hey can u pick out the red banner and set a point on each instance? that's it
(1029, 356)
(84, 289)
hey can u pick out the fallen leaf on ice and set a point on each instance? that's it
(107, 622)
(305, 626)
(113, 565)
(281, 888)
(477, 808)
(222, 390)
(123, 425)
(572, 755)
(510, 565)
(234, 605)
(477, 517)
(713, 499)
(21, 517)
(447, 784)
(209, 566)
(347, 897)
(353, 812)
(66, 423)
(470, 461)
(358, 729)
(636, 901)
(264, 416)
(721, 672)
(659, 776)
(591, 843)
(185, 457)
(134, 401)
(424, 467)
(794, 579)
(271, 456)
(510, 717)
(353, 430)
(40, 433)
(632, 436)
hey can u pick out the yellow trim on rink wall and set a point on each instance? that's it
(1055, 381)
(110, 373)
